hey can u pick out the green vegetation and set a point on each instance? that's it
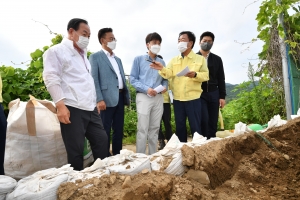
(266, 97)
(19, 83)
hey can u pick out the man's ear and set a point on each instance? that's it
(70, 32)
(191, 44)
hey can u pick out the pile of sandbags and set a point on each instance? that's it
(7, 184)
(40, 185)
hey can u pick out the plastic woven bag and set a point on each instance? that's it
(33, 139)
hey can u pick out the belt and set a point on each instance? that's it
(120, 90)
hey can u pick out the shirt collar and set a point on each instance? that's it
(69, 43)
(190, 55)
(148, 57)
(108, 54)
(203, 56)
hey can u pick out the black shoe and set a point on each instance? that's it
(161, 144)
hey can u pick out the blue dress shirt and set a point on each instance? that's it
(143, 77)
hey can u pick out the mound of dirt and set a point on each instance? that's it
(155, 185)
(248, 166)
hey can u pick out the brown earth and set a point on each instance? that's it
(243, 167)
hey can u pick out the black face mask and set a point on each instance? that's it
(205, 46)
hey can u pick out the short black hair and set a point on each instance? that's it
(74, 23)
(153, 36)
(209, 34)
(190, 35)
(102, 33)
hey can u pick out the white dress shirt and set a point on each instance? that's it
(67, 76)
(115, 65)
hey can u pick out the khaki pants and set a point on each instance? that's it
(149, 110)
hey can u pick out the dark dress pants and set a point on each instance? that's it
(209, 113)
(3, 125)
(113, 118)
(166, 118)
(83, 124)
(187, 109)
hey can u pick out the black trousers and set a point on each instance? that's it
(3, 125)
(166, 118)
(113, 118)
(187, 109)
(209, 113)
(83, 124)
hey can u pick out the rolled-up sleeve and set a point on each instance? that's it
(52, 75)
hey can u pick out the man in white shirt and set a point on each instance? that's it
(71, 86)
(111, 90)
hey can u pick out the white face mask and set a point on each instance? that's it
(112, 45)
(83, 42)
(155, 49)
(182, 46)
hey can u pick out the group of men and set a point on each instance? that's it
(90, 94)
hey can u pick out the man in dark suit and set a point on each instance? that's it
(112, 92)
(214, 90)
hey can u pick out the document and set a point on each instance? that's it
(183, 72)
(171, 95)
(158, 89)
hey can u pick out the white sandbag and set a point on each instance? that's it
(297, 115)
(276, 121)
(240, 128)
(172, 151)
(40, 185)
(176, 167)
(94, 171)
(127, 162)
(33, 140)
(117, 159)
(2, 196)
(173, 146)
(197, 140)
(7, 184)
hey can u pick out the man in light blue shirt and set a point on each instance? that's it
(149, 102)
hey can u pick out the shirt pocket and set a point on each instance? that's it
(177, 67)
(195, 67)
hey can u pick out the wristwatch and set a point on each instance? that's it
(195, 75)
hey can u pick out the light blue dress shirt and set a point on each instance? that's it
(143, 77)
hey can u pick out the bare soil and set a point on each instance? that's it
(242, 167)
